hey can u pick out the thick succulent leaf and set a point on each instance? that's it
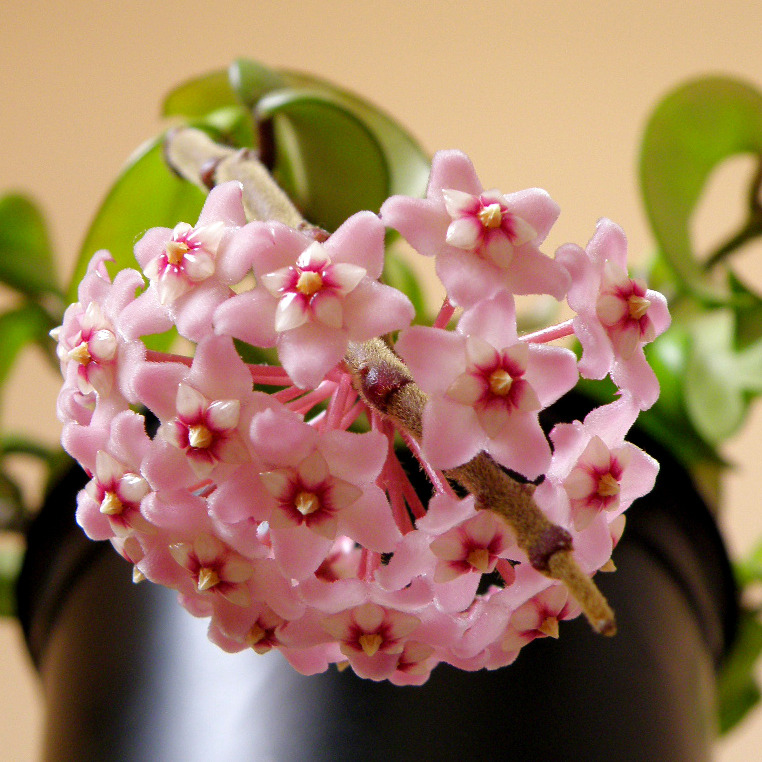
(327, 160)
(200, 96)
(737, 690)
(146, 194)
(409, 164)
(18, 328)
(250, 81)
(26, 260)
(713, 392)
(11, 557)
(691, 131)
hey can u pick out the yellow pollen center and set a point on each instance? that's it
(255, 634)
(81, 354)
(500, 382)
(608, 486)
(370, 642)
(111, 505)
(199, 437)
(207, 579)
(491, 216)
(137, 576)
(306, 503)
(176, 250)
(638, 306)
(309, 282)
(549, 627)
(479, 559)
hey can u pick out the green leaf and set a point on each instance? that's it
(691, 131)
(408, 163)
(12, 509)
(200, 96)
(737, 691)
(146, 194)
(327, 160)
(11, 557)
(26, 261)
(250, 81)
(18, 328)
(400, 275)
(713, 392)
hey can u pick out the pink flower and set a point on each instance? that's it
(616, 315)
(190, 268)
(483, 241)
(595, 483)
(92, 348)
(312, 298)
(214, 569)
(205, 430)
(116, 492)
(178, 260)
(594, 470)
(371, 637)
(474, 546)
(539, 617)
(319, 485)
(308, 495)
(486, 388)
(187, 259)
(90, 344)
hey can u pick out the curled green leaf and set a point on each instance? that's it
(26, 260)
(692, 130)
(327, 160)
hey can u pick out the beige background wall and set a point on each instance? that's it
(538, 93)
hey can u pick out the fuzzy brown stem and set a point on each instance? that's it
(386, 384)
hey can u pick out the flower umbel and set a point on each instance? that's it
(279, 499)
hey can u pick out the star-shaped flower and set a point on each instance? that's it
(312, 298)
(483, 241)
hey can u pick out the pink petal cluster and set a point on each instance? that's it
(616, 315)
(272, 498)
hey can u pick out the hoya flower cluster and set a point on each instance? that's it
(289, 531)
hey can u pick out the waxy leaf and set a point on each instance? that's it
(409, 165)
(11, 558)
(737, 689)
(26, 261)
(200, 96)
(18, 328)
(692, 130)
(250, 81)
(147, 194)
(327, 160)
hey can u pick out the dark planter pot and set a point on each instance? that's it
(128, 675)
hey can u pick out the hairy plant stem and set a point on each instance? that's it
(387, 386)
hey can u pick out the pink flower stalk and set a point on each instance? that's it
(616, 315)
(289, 531)
(483, 242)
